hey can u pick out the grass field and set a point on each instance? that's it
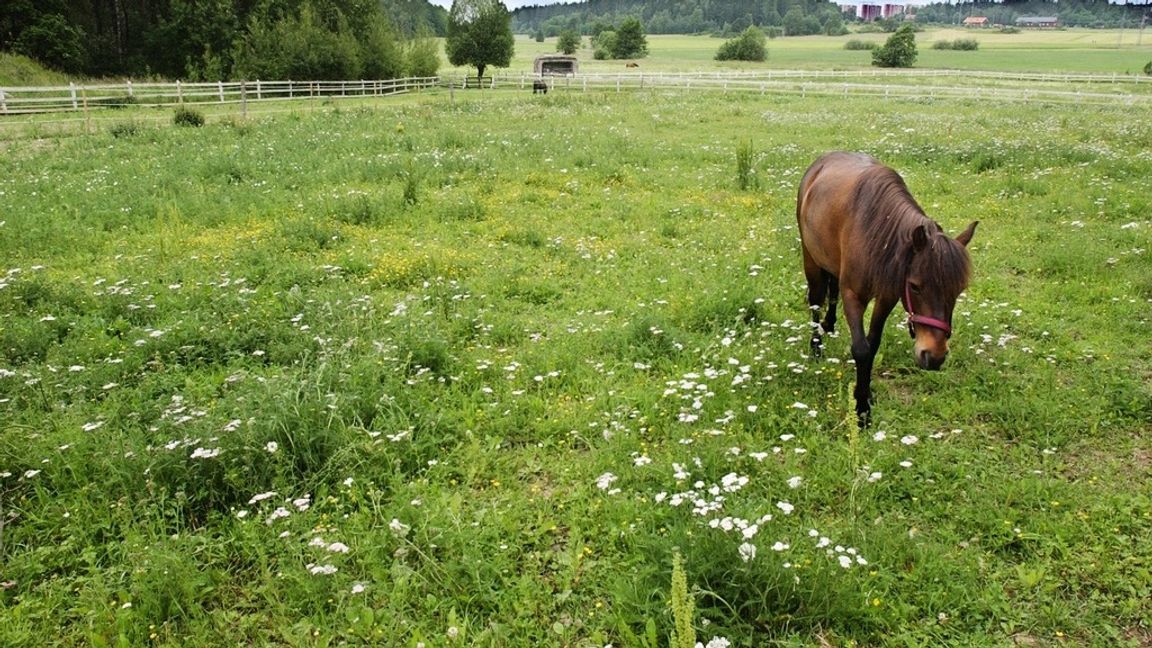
(1072, 50)
(471, 369)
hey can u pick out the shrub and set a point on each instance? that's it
(898, 51)
(858, 44)
(124, 129)
(966, 44)
(749, 46)
(1148, 68)
(188, 117)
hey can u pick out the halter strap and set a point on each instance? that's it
(923, 320)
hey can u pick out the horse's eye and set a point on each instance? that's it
(915, 288)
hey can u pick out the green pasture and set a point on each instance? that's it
(1071, 50)
(470, 368)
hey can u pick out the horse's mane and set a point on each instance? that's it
(888, 215)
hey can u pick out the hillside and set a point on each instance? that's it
(17, 70)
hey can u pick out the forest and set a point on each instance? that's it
(226, 39)
(798, 17)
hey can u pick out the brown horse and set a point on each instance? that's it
(865, 238)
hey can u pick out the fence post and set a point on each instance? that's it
(244, 99)
(291, 91)
(258, 97)
(3, 102)
(179, 93)
(72, 89)
(87, 115)
(131, 91)
(220, 89)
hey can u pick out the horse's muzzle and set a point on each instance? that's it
(930, 362)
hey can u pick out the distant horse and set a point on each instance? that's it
(864, 238)
(631, 64)
(539, 85)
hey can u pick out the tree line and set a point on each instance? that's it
(202, 40)
(1072, 13)
(795, 17)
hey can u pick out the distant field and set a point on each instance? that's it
(1073, 50)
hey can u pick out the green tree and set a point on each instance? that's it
(54, 42)
(380, 51)
(604, 45)
(298, 47)
(479, 34)
(422, 56)
(630, 40)
(568, 42)
(898, 51)
(750, 45)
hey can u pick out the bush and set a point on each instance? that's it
(1148, 68)
(857, 44)
(188, 117)
(749, 46)
(124, 129)
(966, 44)
(898, 51)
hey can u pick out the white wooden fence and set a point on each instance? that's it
(1089, 89)
(75, 97)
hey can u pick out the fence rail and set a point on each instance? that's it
(1091, 89)
(1085, 89)
(74, 97)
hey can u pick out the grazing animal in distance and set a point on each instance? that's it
(631, 64)
(539, 85)
(865, 238)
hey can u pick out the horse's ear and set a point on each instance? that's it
(966, 235)
(920, 238)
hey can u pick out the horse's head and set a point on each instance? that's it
(937, 274)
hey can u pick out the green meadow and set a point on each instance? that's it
(1072, 50)
(472, 368)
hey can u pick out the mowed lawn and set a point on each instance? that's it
(472, 367)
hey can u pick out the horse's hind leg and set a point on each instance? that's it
(829, 324)
(818, 283)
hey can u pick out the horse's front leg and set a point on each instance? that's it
(864, 349)
(862, 354)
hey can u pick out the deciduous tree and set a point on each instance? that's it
(630, 40)
(479, 34)
(898, 51)
(568, 42)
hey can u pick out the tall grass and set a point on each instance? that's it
(251, 392)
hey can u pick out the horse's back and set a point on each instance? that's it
(824, 204)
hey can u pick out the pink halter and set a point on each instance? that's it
(923, 320)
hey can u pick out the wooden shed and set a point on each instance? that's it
(555, 65)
